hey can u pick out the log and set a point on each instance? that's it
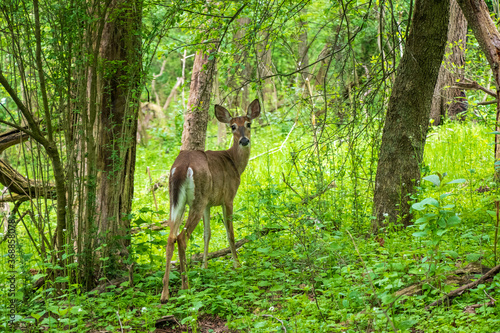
(492, 272)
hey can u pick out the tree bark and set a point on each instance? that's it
(478, 17)
(196, 117)
(449, 101)
(117, 125)
(407, 118)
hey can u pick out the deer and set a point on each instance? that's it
(204, 179)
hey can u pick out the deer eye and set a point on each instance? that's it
(249, 125)
(233, 127)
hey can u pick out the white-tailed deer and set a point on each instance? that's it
(203, 179)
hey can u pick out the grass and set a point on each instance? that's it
(311, 276)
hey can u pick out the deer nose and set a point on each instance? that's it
(244, 141)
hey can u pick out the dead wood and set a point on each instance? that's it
(492, 272)
(11, 138)
(472, 308)
(238, 244)
(460, 276)
(220, 253)
(20, 187)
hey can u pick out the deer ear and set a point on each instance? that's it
(253, 109)
(222, 114)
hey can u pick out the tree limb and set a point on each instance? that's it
(492, 272)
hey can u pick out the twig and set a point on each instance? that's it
(153, 192)
(465, 287)
(280, 147)
(473, 85)
(487, 102)
(119, 320)
(281, 321)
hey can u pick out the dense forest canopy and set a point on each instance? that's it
(369, 202)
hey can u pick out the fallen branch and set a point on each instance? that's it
(238, 244)
(281, 321)
(472, 308)
(492, 272)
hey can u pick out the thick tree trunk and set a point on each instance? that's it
(407, 118)
(196, 117)
(449, 101)
(477, 15)
(111, 157)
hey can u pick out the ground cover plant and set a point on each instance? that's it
(98, 98)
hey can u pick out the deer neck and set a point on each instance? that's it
(240, 156)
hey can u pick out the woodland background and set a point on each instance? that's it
(370, 203)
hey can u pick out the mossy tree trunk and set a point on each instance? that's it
(407, 119)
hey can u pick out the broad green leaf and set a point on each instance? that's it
(473, 257)
(453, 220)
(452, 254)
(420, 234)
(433, 179)
(492, 213)
(441, 232)
(38, 315)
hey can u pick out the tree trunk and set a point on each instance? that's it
(196, 117)
(117, 125)
(477, 15)
(407, 118)
(449, 101)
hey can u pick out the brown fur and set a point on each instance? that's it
(216, 176)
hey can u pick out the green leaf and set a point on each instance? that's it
(441, 232)
(453, 220)
(452, 254)
(427, 201)
(61, 279)
(494, 132)
(38, 315)
(473, 257)
(420, 234)
(456, 181)
(433, 179)
(444, 195)
(404, 325)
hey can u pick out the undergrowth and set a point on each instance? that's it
(318, 269)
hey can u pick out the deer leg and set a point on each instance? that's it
(227, 211)
(206, 235)
(192, 221)
(172, 237)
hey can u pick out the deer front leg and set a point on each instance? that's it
(227, 211)
(206, 235)
(169, 252)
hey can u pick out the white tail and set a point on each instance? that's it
(203, 179)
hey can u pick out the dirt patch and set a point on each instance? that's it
(206, 324)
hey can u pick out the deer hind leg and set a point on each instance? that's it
(172, 238)
(194, 217)
(206, 235)
(227, 211)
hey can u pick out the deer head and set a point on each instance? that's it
(240, 126)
